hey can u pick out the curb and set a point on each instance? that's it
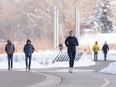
(49, 81)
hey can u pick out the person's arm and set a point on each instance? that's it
(13, 48)
(6, 48)
(24, 49)
(99, 48)
(102, 47)
(66, 42)
(33, 48)
(76, 42)
(108, 47)
(93, 48)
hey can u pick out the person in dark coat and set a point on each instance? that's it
(28, 50)
(71, 42)
(60, 47)
(105, 49)
(9, 49)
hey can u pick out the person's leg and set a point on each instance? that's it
(8, 56)
(11, 60)
(70, 59)
(73, 58)
(94, 57)
(70, 62)
(105, 55)
(29, 62)
(26, 61)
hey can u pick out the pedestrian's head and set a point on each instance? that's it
(71, 33)
(96, 42)
(8, 41)
(60, 45)
(28, 41)
(105, 42)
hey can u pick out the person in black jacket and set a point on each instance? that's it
(9, 49)
(105, 49)
(28, 50)
(60, 47)
(71, 42)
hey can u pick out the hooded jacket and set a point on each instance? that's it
(71, 42)
(96, 48)
(105, 48)
(28, 49)
(9, 48)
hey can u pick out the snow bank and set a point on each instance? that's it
(110, 69)
(42, 60)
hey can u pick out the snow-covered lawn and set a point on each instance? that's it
(89, 39)
(41, 60)
(45, 59)
(110, 69)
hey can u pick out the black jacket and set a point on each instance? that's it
(105, 48)
(71, 43)
(9, 48)
(28, 49)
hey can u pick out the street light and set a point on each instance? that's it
(77, 20)
(56, 26)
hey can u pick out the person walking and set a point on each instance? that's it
(28, 50)
(71, 42)
(96, 50)
(9, 49)
(105, 49)
(60, 47)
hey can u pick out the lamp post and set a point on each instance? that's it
(56, 26)
(77, 20)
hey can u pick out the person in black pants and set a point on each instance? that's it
(105, 49)
(28, 50)
(71, 42)
(9, 49)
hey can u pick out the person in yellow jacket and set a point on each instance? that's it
(96, 50)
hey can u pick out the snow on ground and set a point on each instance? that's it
(110, 69)
(45, 59)
(89, 39)
(41, 60)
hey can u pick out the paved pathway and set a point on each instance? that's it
(19, 78)
(83, 76)
(59, 77)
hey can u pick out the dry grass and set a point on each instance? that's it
(38, 45)
(46, 44)
(88, 49)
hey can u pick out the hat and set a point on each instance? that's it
(8, 41)
(28, 41)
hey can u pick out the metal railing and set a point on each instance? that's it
(63, 56)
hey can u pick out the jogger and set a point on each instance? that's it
(71, 42)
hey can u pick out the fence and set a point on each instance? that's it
(63, 56)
